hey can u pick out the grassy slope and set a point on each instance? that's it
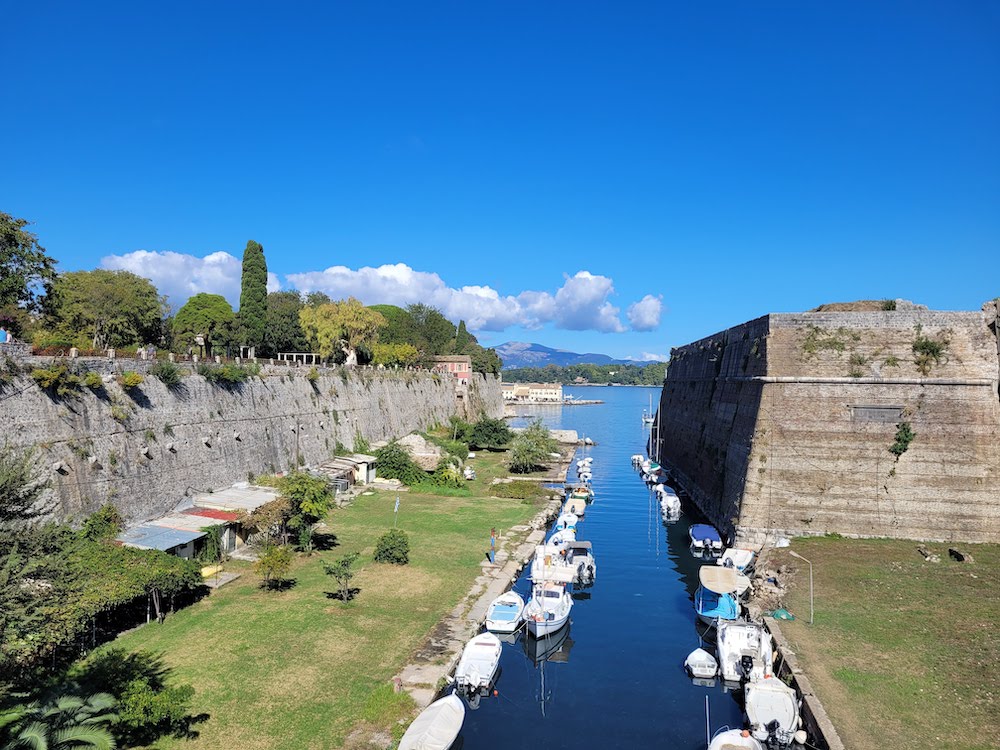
(295, 669)
(903, 653)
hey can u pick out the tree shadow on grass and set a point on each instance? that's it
(324, 541)
(339, 595)
(149, 706)
(283, 584)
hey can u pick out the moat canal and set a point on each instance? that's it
(617, 680)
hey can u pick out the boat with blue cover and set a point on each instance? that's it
(717, 596)
(506, 613)
(705, 537)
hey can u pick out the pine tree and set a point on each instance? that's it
(253, 295)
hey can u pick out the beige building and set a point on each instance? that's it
(532, 393)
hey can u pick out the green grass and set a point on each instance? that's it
(295, 669)
(903, 653)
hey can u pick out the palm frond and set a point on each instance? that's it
(94, 737)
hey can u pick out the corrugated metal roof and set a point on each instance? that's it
(149, 536)
(236, 498)
(214, 513)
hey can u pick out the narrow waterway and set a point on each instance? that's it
(615, 679)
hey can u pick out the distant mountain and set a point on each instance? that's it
(522, 354)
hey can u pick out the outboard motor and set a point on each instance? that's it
(746, 664)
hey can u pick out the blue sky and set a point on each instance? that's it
(612, 177)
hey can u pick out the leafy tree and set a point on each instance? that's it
(531, 448)
(403, 355)
(208, 315)
(393, 547)
(69, 721)
(273, 564)
(107, 308)
(22, 489)
(486, 361)
(342, 572)
(341, 327)
(434, 330)
(283, 332)
(490, 433)
(309, 499)
(399, 328)
(103, 524)
(315, 299)
(395, 463)
(25, 270)
(253, 295)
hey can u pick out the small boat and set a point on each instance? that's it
(576, 505)
(580, 557)
(737, 557)
(637, 460)
(550, 564)
(647, 416)
(566, 521)
(716, 597)
(505, 613)
(772, 710)
(560, 539)
(704, 536)
(437, 726)
(745, 651)
(701, 664)
(479, 663)
(734, 739)
(548, 609)
(670, 504)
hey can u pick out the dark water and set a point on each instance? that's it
(617, 680)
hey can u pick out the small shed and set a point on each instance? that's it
(179, 542)
(365, 471)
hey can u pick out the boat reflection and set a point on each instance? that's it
(552, 647)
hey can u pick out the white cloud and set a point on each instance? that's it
(651, 357)
(180, 276)
(644, 315)
(582, 303)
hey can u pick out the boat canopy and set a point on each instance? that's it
(587, 546)
(437, 727)
(706, 532)
(723, 580)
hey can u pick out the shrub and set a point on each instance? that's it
(272, 565)
(447, 475)
(395, 463)
(167, 372)
(119, 413)
(57, 380)
(129, 380)
(904, 436)
(393, 547)
(490, 433)
(93, 381)
(531, 448)
(360, 444)
(928, 352)
(228, 374)
(518, 490)
(313, 375)
(103, 524)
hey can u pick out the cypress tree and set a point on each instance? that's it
(461, 338)
(253, 295)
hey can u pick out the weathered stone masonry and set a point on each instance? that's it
(784, 424)
(203, 436)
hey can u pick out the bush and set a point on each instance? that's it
(93, 381)
(103, 524)
(57, 380)
(518, 490)
(395, 463)
(531, 448)
(273, 564)
(227, 374)
(490, 433)
(313, 375)
(393, 547)
(129, 380)
(904, 436)
(167, 372)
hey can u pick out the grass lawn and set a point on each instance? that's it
(296, 669)
(903, 652)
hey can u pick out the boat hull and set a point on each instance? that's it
(540, 628)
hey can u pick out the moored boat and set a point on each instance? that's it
(772, 709)
(479, 664)
(566, 521)
(717, 596)
(745, 651)
(548, 609)
(734, 739)
(550, 564)
(580, 558)
(505, 613)
(740, 558)
(702, 664)
(437, 726)
(704, 536)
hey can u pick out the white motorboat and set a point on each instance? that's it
(550, 564)
(548, 609)
(580, 558)
(505, 613)
(745, 651)
(701, 664)
(734, 739)
(567, 521)
(637, 460)
(560, 539)
(647, 416)
(740, 558)
(479, 663)
(437, 727)
(704, 536)
(717, 598)
(670, 504)
(772, 710)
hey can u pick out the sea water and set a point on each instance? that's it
(616, 678)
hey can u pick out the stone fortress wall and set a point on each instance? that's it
(783, 425)
(201, 436)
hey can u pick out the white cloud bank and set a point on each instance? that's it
(180, 276)
(581, 304)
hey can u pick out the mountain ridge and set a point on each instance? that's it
(524, 354)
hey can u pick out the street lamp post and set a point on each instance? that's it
(796, 554)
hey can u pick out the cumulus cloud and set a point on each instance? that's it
(180, 276)
(582, 303)
(644, 315)
(651, 357)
